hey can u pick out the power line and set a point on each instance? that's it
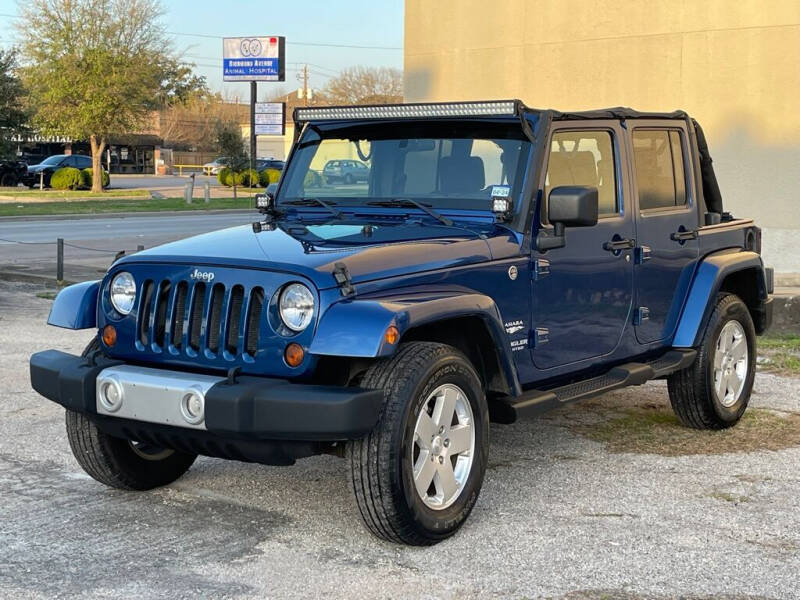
(292, 43)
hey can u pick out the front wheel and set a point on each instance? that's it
(713, 392)
(417, 475)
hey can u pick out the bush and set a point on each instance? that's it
(268, 176)
(225, 176)
(87, 173)
(248, 178)
(68, 178)
(312, 179)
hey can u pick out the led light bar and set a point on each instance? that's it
(409, 111)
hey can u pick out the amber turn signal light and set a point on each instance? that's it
(294, 354)
(391, 335)
(109, 335)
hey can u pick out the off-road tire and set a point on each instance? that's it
(691, 390)
(113, 461)
(379, 464)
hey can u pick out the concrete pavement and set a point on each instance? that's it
(560, 516)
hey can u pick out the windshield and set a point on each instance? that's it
(53, 160)
(440, 165)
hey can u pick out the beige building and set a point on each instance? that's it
(732, 64)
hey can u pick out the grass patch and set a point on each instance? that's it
(728, 497)
(71, 194)
(121, 205)
(780, 354)
(47, 295)
(656, 430)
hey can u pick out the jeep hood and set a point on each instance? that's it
(312, 250)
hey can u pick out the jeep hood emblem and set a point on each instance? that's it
(202, 275)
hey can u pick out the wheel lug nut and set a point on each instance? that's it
(441, 459)
(441, 429)
(447, 443)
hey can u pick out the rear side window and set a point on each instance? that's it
(660, 176)
(584, 158)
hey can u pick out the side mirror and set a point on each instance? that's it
(568, 206)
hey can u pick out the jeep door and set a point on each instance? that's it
(666, 221)
(582, 293)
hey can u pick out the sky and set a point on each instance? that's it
(197, 27)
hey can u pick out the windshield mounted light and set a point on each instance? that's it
(410, 111)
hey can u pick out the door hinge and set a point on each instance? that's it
(643, 254)
(541, 335)
(541, 269)
(642, 315)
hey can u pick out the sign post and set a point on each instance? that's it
(254, 59)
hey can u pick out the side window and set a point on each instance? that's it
(660, 177)
(584, 158)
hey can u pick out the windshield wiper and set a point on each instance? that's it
(309, 201)
(411, 202)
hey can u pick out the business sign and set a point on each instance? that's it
(270, 118)
(254, 59)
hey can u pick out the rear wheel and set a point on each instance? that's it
(120, 463)
(8, 180)
(714, 391)
(417, 475)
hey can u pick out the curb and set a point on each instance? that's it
(125, 215)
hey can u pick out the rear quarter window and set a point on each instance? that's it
(658, 162)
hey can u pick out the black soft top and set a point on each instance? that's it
(711, 193)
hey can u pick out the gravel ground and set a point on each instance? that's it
(559, 516)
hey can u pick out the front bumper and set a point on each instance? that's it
(250, 408)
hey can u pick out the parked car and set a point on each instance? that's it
(213, 167)
(505, 261)
(262, 164)
(345, 171)
(11, 172)
(45, 169)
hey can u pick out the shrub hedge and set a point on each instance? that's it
(88, 175)
(225, 176)
(248, 178)
(269, 176)
(68, 178)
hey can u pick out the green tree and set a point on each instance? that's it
(13, 118)
(230, 145)
(95, 68)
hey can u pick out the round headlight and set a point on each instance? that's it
(123, 292)
(296, 306)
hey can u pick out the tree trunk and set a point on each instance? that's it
(97, 163)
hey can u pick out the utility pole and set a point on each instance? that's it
(253, 91)
(303, 92)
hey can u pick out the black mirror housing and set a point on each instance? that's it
(568, 206)
(573, 206)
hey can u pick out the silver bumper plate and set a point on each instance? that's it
(154, 395)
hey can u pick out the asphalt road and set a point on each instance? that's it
(157, 182)
(104, 236)
(560, 516)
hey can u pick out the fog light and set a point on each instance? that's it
(109, 335)
(110, 395)
(294, 354)
(193, 406)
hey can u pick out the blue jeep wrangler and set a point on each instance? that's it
(499, 261)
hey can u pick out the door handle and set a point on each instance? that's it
(682, 235)
(616, 246)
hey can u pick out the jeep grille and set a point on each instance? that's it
(193, 317)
